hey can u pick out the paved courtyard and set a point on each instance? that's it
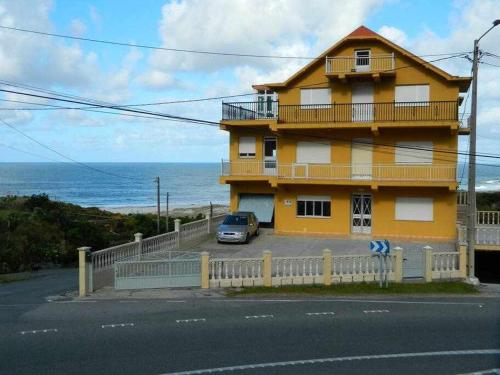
(302, 246)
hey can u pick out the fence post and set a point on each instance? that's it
(267, 268)
(398, 264)
(462, 261)
(205, 276)
(428, 263)
(177, 229)
(327, 267)
(138, 239)
(209, 221)
(83, 270)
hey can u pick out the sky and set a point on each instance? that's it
(129, 75)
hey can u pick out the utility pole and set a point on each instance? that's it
(471, 198)
(157, 180)
(166, 214)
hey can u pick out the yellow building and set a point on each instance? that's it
(360, 142)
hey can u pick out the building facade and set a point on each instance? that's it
(360, 142)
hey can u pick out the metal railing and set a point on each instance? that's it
(373, 172)
(344, 112)
(350, 64)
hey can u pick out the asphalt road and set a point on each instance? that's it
(296, 336)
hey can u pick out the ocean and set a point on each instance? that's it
(132, 184)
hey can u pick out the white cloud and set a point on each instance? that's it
(77, 27)
(394, 35)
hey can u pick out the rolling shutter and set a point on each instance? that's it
(416, 209)
(414, 152)
(262, 205)
(313, 152)
(247, 147)
(315, 96)
(412, 93)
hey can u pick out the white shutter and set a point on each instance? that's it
(416, 209)
(313, 152)
(247, 147)
(414, 152)
(315, 96)
(412, 93)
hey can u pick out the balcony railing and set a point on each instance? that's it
(350, 172)
(344, 112)
(350, 64)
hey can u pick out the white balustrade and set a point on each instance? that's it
(445, 265)
(231, 272)
(359, 268)
(297, 270)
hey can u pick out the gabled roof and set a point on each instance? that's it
(364, 33)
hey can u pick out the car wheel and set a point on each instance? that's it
(247, 238)
(257, 232)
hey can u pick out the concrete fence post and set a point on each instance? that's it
(327, 267)
(138, 239)
(177, 229)
(398, 264)
(267, 268)
(462, 261)
(428, 263)
(83, 271)
(209, 223)
(205, 272)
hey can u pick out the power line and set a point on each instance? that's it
(28, 152)
(145, 46)
(486, 63)
(62, 155)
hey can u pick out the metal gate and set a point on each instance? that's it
(413, 263)
(162, 270)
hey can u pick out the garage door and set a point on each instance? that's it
(260, 204)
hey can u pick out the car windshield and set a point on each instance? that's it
(236, 220)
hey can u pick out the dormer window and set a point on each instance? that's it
(362, 60)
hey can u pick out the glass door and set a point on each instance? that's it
(361, 213)
(270, 156)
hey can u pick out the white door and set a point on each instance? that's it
(362, 102)
(362, 59)
(270, 156)
(361, 158)
(361, 221)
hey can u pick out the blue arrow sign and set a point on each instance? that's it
(381, 247)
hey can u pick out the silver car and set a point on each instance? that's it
(238, 227)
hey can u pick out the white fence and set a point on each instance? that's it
(349, 64)
(297, 270)
(485, 234)
(102, 261)
(360, 268)
(446, 265)
(235, 272)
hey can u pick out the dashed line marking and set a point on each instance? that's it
(117, 325)
(191, 320)
(125, 301)
(375, 311)
(35, 331)
(76, 301)
(259, 316)
(320, 313)
(339, 359)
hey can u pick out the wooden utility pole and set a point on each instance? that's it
(157, 180)
(166, 214)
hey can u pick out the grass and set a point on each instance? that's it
(359, 288)
(12, 277)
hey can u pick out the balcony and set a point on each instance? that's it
(341, 174)
(343, 66)
(344, 113)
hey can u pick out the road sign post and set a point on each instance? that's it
(381, 249)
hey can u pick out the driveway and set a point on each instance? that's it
(302, 246)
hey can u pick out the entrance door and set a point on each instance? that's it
(362, 102)
(361, 213)
(270, 156)
(413, 263)
(361, 159)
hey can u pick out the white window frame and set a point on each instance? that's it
(412, 209)
(313, 199)
(407, 152)
(319, 157)
(308, 100)
(420, 95)
(247, 154)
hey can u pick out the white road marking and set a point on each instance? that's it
(258, 316)
(491, 371)
(375, 311)
(128, 301)
(35, 331)
(117, 325)
(321, 313)
(352, 300)
(340, 359)
(191, 320)
(77, 301)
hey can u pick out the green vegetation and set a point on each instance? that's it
(37, 231)
(358, 289)
(11, 277)
(488, 201)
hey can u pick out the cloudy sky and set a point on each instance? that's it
(125, 75)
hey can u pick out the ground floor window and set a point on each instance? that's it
(313, 206)
(415, 209)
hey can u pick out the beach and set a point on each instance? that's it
(193, 210)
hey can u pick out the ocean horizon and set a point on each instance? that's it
(131, 184)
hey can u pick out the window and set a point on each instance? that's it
(414, 152)
(313, 206)
(235, 220)
(362, 59)
(416, 209)
(312, 97)
(413, 95)
(266, 100)
(313, 152)
(247, 147)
